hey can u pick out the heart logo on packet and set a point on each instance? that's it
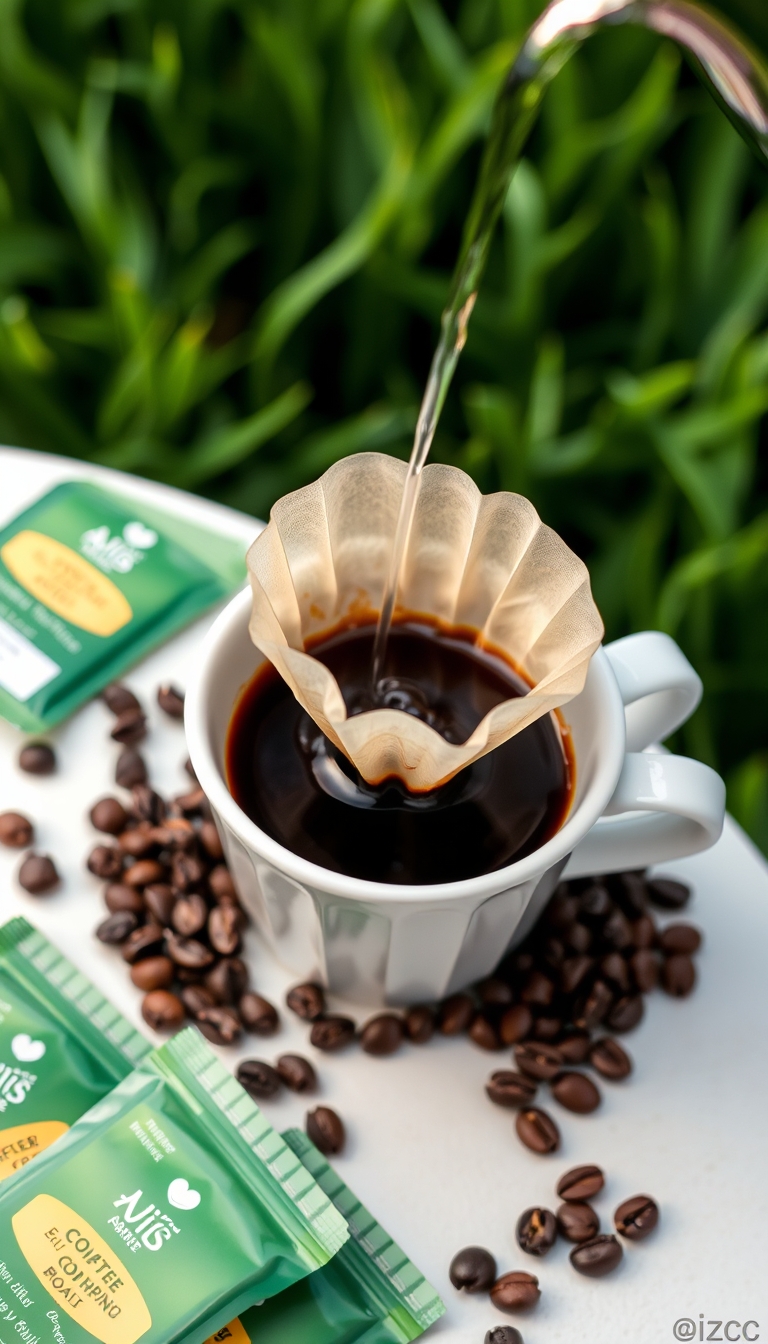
(136, 534)
(180, 1195)
(26, 1050)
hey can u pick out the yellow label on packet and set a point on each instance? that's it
(66, 583)
(21, 1143)
(80, 1271)
(234, 1333)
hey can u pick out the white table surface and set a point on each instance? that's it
(437, 1163)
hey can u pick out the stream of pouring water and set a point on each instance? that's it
(731, 69)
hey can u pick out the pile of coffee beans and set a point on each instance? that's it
(37, 873)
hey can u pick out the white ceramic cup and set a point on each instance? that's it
(381, 943)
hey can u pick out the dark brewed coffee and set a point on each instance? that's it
(304, 793)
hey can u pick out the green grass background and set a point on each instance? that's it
(226, 232)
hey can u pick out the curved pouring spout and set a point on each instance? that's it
(732, 70)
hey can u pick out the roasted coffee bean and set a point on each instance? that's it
(473, 1269)
(679, 938)
(516, 1291)
(562, 909)
(537, 1059)
(595, 902)
(306, 1001)
(117, 927)
(117, 897)
(629, 892)
(153, 973)
(577, 1222)
(174, 833)
(130, 727)
(144, 873)
(37, 758)
(594, 1006)
(573, 972)
(108, 815)
(258, 1014)
(455, 1014)
(258, 1078)
(579, 938)
(574, 1046)
(189, 915)
(187, 871)
(617, 931)
(576, 1092)
(537, 1130)
(224, 929)
(547, 1029)
(105, 861)
(516, 1024)
(211, 840)
(667, 894)
(118, 698)
(610, 1059)
(644, 965)
(614, 969)
(597, 1257)
(503, 1334)
(147, 804)
(483, 1032)
(221, 885)
(297, 1073)
(625, 1013)
(143, 942)
(382, 1035)
(332, 1033)
(188, 952)
(553, 952)
(222, 1026)
(538, 990)
(130, 768)
(326, 1130)
(678, 975)
(580, 1183)
(139, 841)
(495, 991)
(536, 1231)
(193, 802)
(419, 1025)
(171, 700)
(162, 1010)
(643, 933)
(510, 1089)
(228, 980)
(190, 975)
(16, 831)
(637, 1217)
(159, 900)
(38, 874)
(195, 998)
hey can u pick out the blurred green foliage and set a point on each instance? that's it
(226, 231)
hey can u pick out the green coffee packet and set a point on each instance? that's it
(370, 1293)
(89, 582)
(62, 1045)
(170, 1199)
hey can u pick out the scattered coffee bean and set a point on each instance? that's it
(577, 1222)
(191, 803)
(297, 1073)
(130, 768)
(597, 1257)
(189, 952)
(630, 893)
(573, 972)
(119, 698)
(614, 969)
(37, 758)
(510, 1089)
(455, 1014)
(187, 871)
(106, 862)
(143, 942)
(224, 929)
(153, 973)
(625, 1013)
(576, 1092)
(667, 894)
(108, 815)
(516, 1024)
(473, 1270)
(259, 1079)
(595, 902)
(171, 700)
(495, 992)
(332, 1032)
(16, 831)
(503, 1334)
(162, 1011)
(643, 933)
(637, 1217)
(516, 1291)
(580, 1183)
(419, 1025)
(195, 998)
(579, 938)
(144, 873)
(228, 980)
(538, 990)
(221, 883)
(536, 1231)
(38, 874)
(382, 1035)
(538, 1060)
(258, 1014)
(547, 1029)
(610, 1059)
(644, 965)
(591, 1011)
(483, 1032)
(616, 930)
(222, 1026)
(678, 975)
(574, 1046)
(211, 840)
(147, 805)
(117, 896)
(326, 1130)
(680, 938)
(537, 1130)
(130, 727)
(306, 1001)
(117, 927)
(137, 842)
(189, 915)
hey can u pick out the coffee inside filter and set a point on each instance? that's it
(486, 562)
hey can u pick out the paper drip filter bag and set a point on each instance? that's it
(472, 560)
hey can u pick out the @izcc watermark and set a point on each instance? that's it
(688, 1329)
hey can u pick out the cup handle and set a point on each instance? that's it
(664, 807)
